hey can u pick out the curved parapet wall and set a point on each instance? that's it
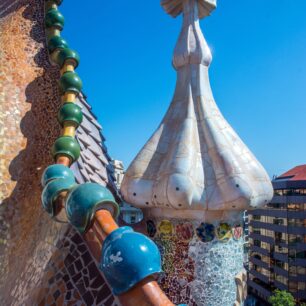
(41, 261)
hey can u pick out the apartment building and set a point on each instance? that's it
(277, 239)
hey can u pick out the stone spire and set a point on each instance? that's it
(194, 165)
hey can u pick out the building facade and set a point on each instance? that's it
(277, 236)
(118, 171)
(128, 213)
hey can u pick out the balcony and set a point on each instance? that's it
(288, 184)
(280, 271)
(300, 246)
(260, 250)
(297, 245)
(259, 262)
(259, 275)
(296, 214)
(263, 238)
(300, 294)
(295, 199)
(280, 285)
(280, 213)
(280, 256)
(269, 226)
(298, 262)
(260, 287)
(297, 230)
(298, 278)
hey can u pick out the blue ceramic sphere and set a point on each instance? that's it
(127, 258)
(51, 192)
(55, 172)
(84, 200)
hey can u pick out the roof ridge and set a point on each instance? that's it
(95, 162)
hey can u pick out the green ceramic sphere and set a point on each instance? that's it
(84, 200)
(68, 54)
(70, 112)
(54, 19)
(70, 81)
(66, 146)
(56, 42)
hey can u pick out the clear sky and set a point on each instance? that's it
(258, 72)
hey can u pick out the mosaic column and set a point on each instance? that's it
(194, 178)
(200, 259)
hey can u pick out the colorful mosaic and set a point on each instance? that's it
(237, 231)
(187, 272)
(224, 232)
(151, 228)
(173, 240)
(206, 232)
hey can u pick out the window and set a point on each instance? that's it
(278, 237)
(293, 239)
(278, 192)
(277, 205)
(290, 192)
(293, 286)
(257, 243)
(278, 221)
(292, 254)
(295, 222)
(256, 231)
(281, 279)
(293, 207)
(301, 286)
(301, 254)
(292, 270)
(301, 270)
(279, 264)
(256, 217)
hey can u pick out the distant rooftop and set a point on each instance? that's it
(297, 173)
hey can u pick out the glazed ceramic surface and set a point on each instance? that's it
(195, 160)
(194, 177)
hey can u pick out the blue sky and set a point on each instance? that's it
(258, 72)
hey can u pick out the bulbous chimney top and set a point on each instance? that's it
(195, 164)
